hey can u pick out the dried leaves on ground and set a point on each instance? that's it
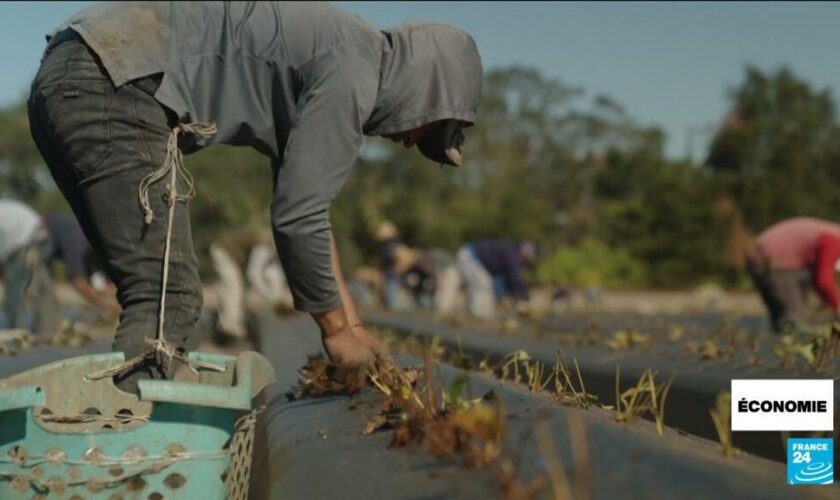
(627, 339)
(71, 334)
(319, 377)
(14, 341)
(721, 417)
(817, 347)
(645, 398)
(445, 421)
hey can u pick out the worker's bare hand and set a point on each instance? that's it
(344, 348)
(380, 350)
(112, 315)
(110, 310)
(347, 351)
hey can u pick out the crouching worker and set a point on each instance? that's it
(790, 257)
(491, 270)
(406, 270)
(123, 86)
(30, 302)
(68, 244)
(249, 276)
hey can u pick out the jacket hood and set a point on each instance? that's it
(430, 72)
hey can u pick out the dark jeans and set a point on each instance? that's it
(99, 142)
(782, 291)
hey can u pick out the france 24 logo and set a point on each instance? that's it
(810, 461)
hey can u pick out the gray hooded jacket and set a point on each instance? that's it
(301, 83)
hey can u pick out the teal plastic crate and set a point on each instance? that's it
(64, 436)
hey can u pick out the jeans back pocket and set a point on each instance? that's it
(75, 114)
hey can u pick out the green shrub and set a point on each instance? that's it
(591, 263)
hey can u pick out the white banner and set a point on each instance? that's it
(783, 405)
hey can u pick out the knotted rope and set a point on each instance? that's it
(173, 166)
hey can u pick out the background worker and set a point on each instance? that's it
(68, 244)
(409, 273)
(302, 83)
(789, 257)
(29, 302)
(412, 275)
(492, 269)
(395, 259)
(248, 273)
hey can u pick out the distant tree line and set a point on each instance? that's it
(548, 162)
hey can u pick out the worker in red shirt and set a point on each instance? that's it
(789, 256)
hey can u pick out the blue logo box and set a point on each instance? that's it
(810, 461)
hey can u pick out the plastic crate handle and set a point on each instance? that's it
(21, 397)
(252, 373)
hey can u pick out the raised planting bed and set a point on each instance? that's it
(317, 448)
(698, 378)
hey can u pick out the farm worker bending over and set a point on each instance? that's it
(249, 275)
(492, 269)
(29, 243)
(29, 302)
(301, 83)
(789, 256)
(69, 244)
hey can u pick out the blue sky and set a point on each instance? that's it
(669, 64)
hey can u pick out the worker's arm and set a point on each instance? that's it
(321, 148)
(107, 304)
(76, 253)
(344, 316)
(350, 311)
(351, 315)
(828, 252)
(343, 333)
